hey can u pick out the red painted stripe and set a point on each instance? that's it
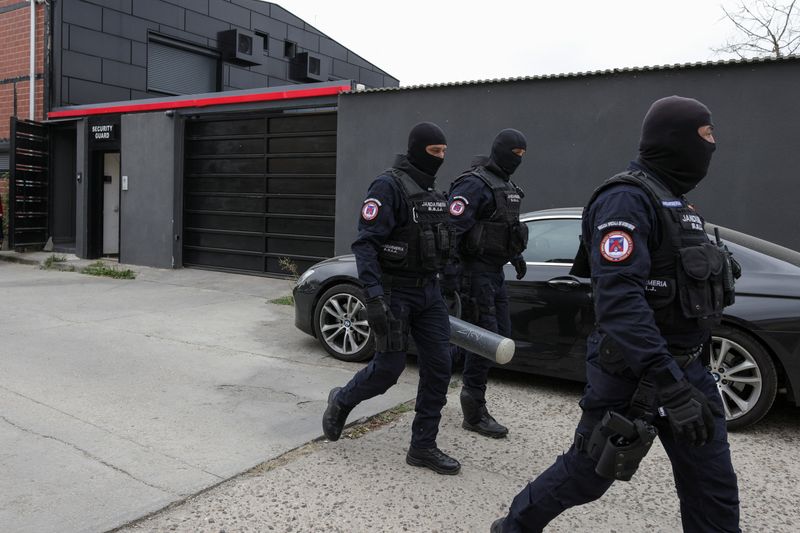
(201, 102)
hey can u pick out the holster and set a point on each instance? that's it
(618, 445)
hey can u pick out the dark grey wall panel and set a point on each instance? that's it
(358, 60)
(583, 129)
(255, 5)
(99, 44)
(203, 25)
(120, 24)
(124, 75)
(160, 12)
(139, 54)
(229, 12)
(274, 28)
(244, 79)
(304, 39)
(345, 70)
(200, 6)
(332, 48)
(150, 195)
(77, 65)
(88, 92)
(83, 14)
(277, 12)
(117, 5)
(370, 78)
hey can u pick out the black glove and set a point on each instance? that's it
(520, 266)
(378, 315)
(688, 412)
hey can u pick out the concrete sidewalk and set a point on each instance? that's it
(118, 397)
(363, 484)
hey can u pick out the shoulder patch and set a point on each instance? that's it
(458, 206)
(616, 246)
(672, 203)
(370, 209)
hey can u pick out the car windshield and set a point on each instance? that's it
(552, 240)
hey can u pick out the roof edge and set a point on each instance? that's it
(586, 74)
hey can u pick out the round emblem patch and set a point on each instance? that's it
(457, 208)
(616, 246)
(369, 210)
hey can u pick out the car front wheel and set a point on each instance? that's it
(340, 321)
(745, 376)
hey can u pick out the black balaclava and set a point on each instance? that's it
(422, 135)
(502, 157)
(670, 145)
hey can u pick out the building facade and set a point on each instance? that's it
(112, 60)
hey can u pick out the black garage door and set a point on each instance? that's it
(258, 190)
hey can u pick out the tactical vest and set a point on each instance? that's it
(501, 237)
(685, 286)
(424, 244)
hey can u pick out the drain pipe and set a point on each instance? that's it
(32, 80)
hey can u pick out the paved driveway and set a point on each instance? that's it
(118, 397)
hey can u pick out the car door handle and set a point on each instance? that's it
(564, 283)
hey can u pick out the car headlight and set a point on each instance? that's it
(302, 279)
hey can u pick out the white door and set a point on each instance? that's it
(111, 203)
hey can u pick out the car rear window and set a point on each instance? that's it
(552, 240)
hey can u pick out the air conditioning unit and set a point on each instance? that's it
(240, 46)
(308, 66)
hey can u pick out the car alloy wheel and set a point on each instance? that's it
(745, 376)
(341, 323)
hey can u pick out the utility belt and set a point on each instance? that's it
(686, 356)
(389, 280)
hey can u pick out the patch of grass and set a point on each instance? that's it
(98, 268)
(381, 419)
(283, 300)
(50, 261)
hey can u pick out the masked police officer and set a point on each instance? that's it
(404, 239)
(659, 287)
(484, 211)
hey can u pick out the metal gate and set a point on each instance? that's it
(259, 192)
(28, 185)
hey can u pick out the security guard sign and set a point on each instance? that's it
(616, 246)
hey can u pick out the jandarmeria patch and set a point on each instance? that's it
(616, 246)
(370, 209)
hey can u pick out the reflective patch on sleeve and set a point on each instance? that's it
(458, 206)
(616, 224)
(616, 246)
(370, 209)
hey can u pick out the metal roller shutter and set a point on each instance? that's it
(174, 70)
(259, 189)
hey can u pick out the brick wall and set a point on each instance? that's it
(14, 61)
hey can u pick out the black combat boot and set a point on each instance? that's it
(433, 458)
(497, 526)
(478, 419)
(335, 416)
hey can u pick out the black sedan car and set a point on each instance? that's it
(756, 349)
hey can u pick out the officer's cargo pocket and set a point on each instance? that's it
(394, 254)
(518, 239)
(700, 281)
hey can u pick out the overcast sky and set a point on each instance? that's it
(435, 41)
